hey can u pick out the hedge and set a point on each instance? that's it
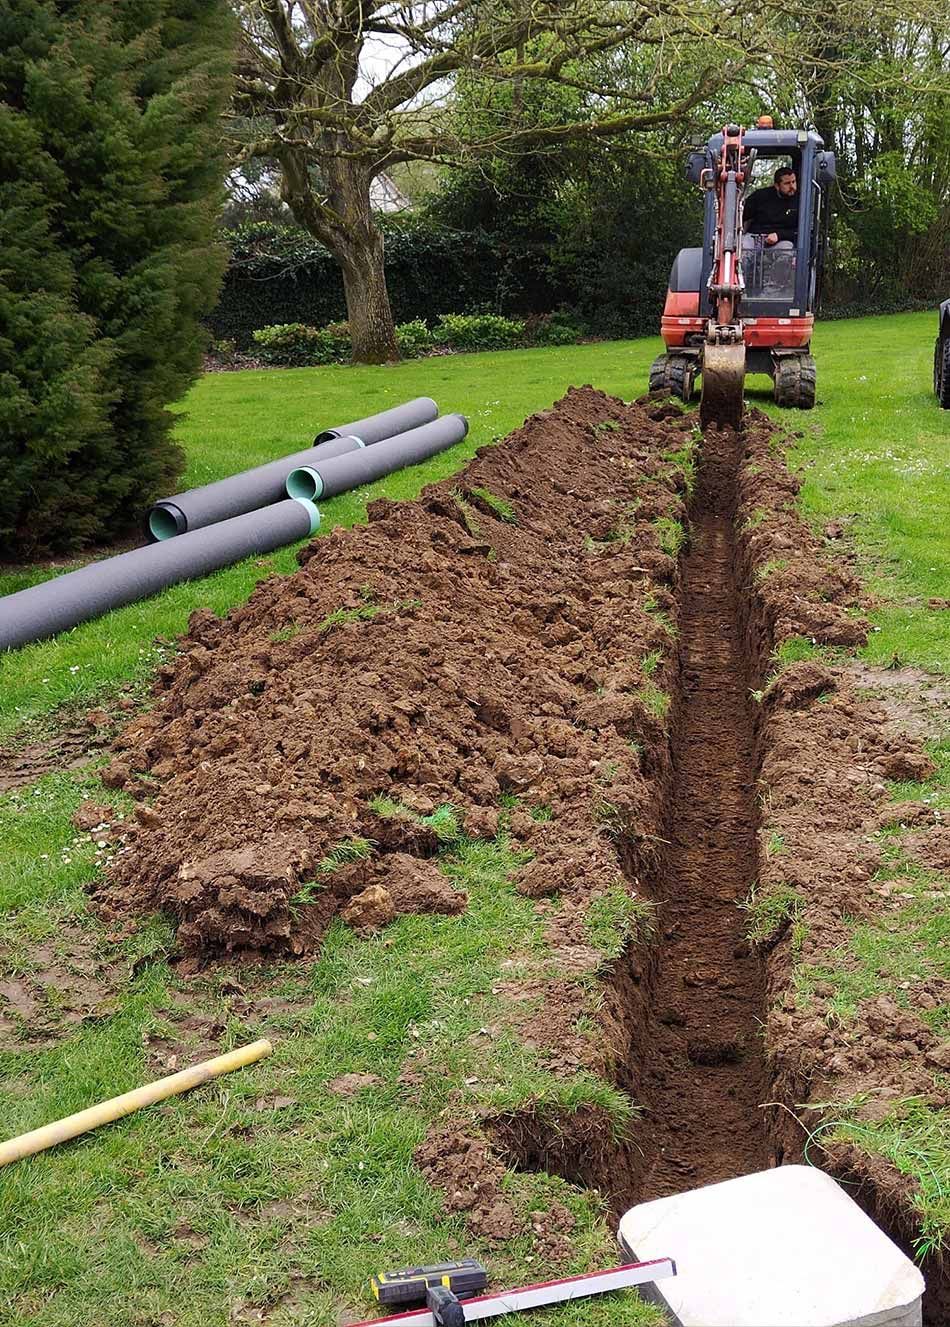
(292, 345)
(277, 274)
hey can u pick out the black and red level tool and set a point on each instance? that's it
(447, 1304)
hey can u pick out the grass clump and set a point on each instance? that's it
(654, 700)
(651, 662)
(769, 568)
(284, 633)
(443, 821)
(344, 853)
(685, 459)
(365, 612)
(660, 616)
(467, 512)
(671, 534)
(615, 918)
(501, 507)
(770, 911)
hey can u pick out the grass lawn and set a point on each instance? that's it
(264, 1193)
(877, 446)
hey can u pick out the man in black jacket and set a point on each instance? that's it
(773, 212)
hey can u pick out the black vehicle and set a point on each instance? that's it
(942, 357)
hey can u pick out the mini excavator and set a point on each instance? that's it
(736, 305)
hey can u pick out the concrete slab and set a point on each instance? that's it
(782, 1248)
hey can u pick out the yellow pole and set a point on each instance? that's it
(106, 1111)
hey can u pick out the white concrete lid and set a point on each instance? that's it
(782, 1248)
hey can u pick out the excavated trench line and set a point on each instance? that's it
(691, 1004)
(702, 1074)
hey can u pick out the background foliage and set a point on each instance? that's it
(110, 179)
(592, 225)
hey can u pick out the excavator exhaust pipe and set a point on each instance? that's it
(723, 370)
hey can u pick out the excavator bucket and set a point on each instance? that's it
(723, 380)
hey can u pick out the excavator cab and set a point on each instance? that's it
(737, 304)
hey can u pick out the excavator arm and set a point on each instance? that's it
(723, 358)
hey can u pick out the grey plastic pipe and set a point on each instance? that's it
(401, 418)
(237, 494)
(345, 472)
(64, 602)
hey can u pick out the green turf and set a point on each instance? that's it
(210, 1209)
(267, 1193)
(878, 456)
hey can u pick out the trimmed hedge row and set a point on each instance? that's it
(296, 344)
(278, 274)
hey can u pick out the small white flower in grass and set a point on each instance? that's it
(74, 668)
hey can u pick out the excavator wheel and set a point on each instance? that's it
(795, 380)
(942, 370)
(674, 374)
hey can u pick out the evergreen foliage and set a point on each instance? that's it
(110, 181)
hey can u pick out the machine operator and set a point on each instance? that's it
(773, 211)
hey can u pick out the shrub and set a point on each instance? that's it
(478, 331)
(279, 273)
(556, 329)
(110, 174)
(413, 338)
(295, 345)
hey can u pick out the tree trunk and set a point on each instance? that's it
(343, 221)
(367, 299)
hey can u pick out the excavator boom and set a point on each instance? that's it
(723, 360)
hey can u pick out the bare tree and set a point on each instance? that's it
(307, 99)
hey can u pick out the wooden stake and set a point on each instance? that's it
(106, 1111)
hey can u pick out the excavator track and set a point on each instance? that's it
(723, 383)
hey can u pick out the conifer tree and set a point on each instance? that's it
(111, 171)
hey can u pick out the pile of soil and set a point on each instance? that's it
(485, 639)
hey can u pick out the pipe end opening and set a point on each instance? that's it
(166, 522)
(304, 484)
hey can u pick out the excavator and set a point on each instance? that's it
(737, 305)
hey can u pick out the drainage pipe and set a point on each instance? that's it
(411, 414)
(64, 602)
(238, 494)
(325, 480)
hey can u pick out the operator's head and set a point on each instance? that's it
(785, 181)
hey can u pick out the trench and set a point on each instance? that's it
(692, 1002)
(702, 1076)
